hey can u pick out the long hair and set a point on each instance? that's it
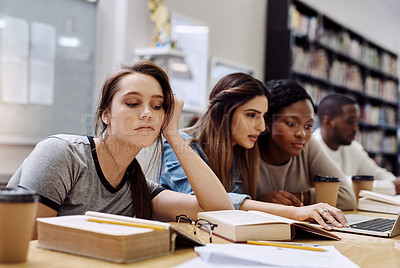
(140, 192)
(214, 134)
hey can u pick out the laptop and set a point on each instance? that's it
(369, 225)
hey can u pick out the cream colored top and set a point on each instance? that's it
(354, 160)
(298, 175)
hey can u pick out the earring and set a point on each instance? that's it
(105, 134)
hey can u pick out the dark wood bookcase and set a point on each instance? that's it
(325, 57)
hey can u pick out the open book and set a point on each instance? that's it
(372, 201)
(240, 226)
(109, 237)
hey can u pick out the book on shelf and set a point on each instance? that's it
(377, 202)
(109, 237)
(240, 226)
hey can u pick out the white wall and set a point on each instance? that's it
(237, 29)
(124, 25)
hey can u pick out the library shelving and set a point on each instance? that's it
(325, 57)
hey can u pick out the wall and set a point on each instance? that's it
(124, 25)
(26, 123)
(237, 36)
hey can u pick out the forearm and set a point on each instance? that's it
(272, 208)
(209, 191)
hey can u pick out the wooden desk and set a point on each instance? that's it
(365, 251)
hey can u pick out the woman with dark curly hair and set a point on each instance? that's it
(290, 157)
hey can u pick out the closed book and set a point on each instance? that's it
(112, 242)
(240, 226)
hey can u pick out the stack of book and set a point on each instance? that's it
(110, 237)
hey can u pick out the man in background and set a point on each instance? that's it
(338, 116)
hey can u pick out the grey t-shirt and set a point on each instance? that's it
(65, 172)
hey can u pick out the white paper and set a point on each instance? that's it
(14, 60)
(41, 75)
(198, 262)
(242, 255)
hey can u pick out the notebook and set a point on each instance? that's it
(369, 225)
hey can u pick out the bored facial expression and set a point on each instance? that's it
(137, 112)
(292, 127)
(248, 122)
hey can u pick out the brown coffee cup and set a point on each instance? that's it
(326, 189)
(18, 207)
(362, 182)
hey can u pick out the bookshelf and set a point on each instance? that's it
(325, 57)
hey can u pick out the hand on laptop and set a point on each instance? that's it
(321, 213)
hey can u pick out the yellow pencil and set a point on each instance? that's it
(264, 243)
(141, 225)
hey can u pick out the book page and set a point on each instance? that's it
(272, 217)
(395, 200)
(364, 203)
(81, 222)
(125, 218)
(240, 217)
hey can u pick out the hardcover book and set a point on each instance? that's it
(240, 226)
(107, 241)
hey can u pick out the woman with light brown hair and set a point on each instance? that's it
(74, 174)
(226, 138)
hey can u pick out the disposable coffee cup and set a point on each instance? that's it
(326, 189)
(18, 207)
(362, 182)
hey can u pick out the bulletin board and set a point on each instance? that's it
(47, 68)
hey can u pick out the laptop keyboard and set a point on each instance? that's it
(377, 225)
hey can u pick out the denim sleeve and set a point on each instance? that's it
(172, 175)
(237, 199)
(174, 178)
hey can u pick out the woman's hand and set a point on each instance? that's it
(321, 212)
(173, 125)
(281, 197)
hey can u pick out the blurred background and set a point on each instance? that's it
(55, 55)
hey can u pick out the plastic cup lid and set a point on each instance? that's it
(319, 178)
(362, 178)
(17, 195)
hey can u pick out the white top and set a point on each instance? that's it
(354, 160)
